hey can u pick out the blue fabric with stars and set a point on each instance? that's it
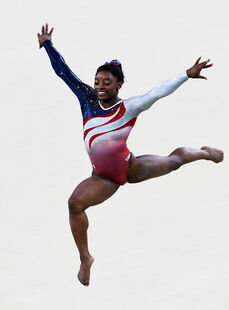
(86, 95)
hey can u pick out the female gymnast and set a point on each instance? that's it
(107, 121)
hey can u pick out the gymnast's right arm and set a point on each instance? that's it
(80, 89)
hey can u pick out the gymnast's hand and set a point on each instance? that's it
(45, 35)
(194, 71)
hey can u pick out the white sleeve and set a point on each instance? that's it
(137, 104)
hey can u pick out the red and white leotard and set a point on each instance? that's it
(105, 139)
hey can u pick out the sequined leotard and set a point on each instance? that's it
(106, 130)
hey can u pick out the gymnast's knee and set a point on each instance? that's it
(175, 162)
(178, 157)
(75, 205)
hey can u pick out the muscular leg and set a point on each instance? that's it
(90, 192)
(146, 167)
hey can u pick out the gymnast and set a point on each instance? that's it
(107, 121)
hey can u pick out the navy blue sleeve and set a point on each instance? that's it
(84, 92)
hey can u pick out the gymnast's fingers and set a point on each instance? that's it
(208, 66)
(202, 77)
(198, 60)
(51, 31)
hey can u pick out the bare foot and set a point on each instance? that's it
(214, 154)
(84, 272)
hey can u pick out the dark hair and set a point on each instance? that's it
(114, 69)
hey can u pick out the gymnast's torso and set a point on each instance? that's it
(105, 140)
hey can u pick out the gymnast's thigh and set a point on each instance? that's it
(94, 190)
(145, 167)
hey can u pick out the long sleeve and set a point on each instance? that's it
(138, 104)
(84, 92)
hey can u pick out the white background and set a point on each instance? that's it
(162, 244)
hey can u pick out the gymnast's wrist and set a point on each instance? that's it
(188, 73)
(46, 42)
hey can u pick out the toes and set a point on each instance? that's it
(215, 154)
(84, 281)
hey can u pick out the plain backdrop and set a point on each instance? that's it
(162, 244)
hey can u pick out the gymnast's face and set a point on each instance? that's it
(106, 85)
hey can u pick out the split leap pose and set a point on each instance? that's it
(107, 121)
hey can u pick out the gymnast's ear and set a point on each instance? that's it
(119, 85)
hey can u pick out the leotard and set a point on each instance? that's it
(106, 130)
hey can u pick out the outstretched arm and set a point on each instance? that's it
(136, 105)
(81, 90)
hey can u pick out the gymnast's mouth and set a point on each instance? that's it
(101, 93)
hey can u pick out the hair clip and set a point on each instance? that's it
(113, 62)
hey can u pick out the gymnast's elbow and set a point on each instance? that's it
(59, 71)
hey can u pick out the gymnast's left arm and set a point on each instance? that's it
(136, 105)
